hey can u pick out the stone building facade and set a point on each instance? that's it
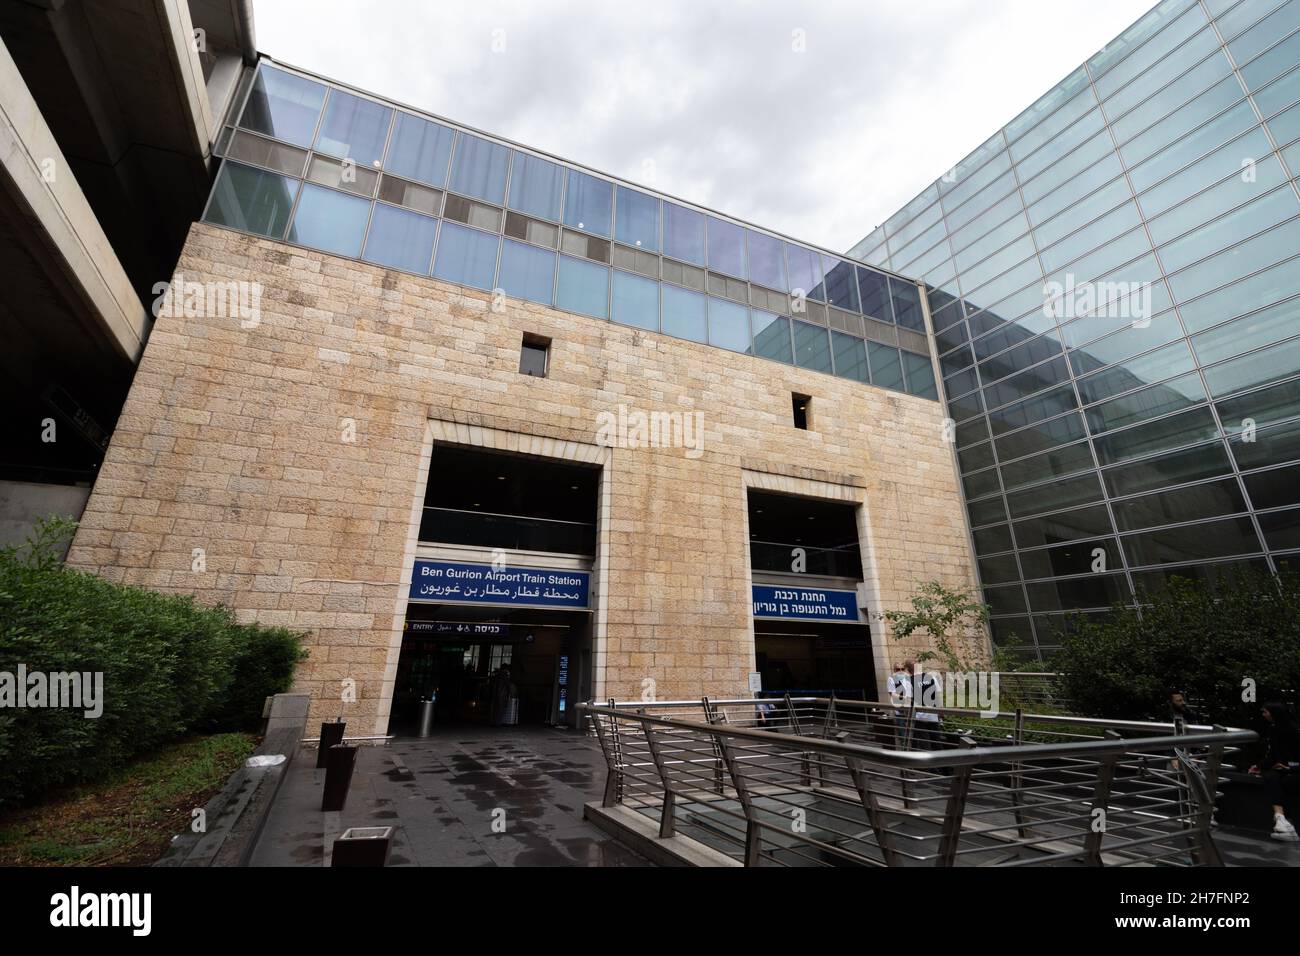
(277, 464)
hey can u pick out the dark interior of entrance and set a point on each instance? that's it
(808, 542)
(502, 665)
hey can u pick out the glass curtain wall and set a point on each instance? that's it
(1114, 279)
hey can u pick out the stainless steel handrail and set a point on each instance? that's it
(876, 800)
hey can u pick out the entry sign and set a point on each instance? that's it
(805, 604)
(449, 582)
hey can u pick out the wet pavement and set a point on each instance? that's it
(473, 797)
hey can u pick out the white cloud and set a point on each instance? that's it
(822, 145)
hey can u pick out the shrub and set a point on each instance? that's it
(170, 666)
(1229, 646)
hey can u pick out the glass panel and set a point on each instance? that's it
(1181, 429)
(920, 375)
(841, 286)
(683, 233)
(728, 325)
(589, 203)
(771, 336)
(636, 301)
(479, 169)
(354, 129)
(1264, 407)
(1275, 488)
(1076, 558)
(1066, 526)
(850, 357)
(1246, 296)
(907, 304)
(1150, 402)
(1271, 445)
(684, 314)
(726, 248)
(886, 366)
(1067, 428)
(637, 219)
(420, 149)
(1192, 543)
(1189, 464)
(582, 287)
(1053, 464)
(873, 290)
(1061, 494)
(1230, 265)
(527, 272)
(1130, 341)
(252, 200)
(1227, 230)
(401, 239)
(1281, 529)
(261, 151)
(411, 195)
(766, 261)
(536, 186)
(989, 510)
(1096, 590)
(284, 106)
(342, 175)
(812, 348)
(1254, 368)
(1184, 504)
(330, 221)
(1173, 359)
(992, 540)
(805, 272)
(466, 256)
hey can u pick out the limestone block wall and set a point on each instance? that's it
(276, 464)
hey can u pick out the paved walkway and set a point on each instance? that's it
(443, 795)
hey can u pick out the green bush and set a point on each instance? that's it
(1230, 646)
(170, 666)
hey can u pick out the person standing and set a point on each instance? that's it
(1279, 766)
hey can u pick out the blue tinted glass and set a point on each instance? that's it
(850, 357)
(683, 314)
(527, 272)
(726, 248)
(637, 219)
(766, 261)
(805, 272)
(907, 304)
(330, 221)
(873, 290)
(886, 367)
(812, 347)
(589, 203)
(252, 200)
(479, 169)
(728, 325)
(683, 234)
(466, 256)
(582, 287)
(772, 336)
(354, 129)
(636, 301)
(283, 106)
(420, 149)
(401, 239)
(920, 375)
(536, 186)
(841, 287)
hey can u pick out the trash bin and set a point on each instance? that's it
(426, 717)
(362, 846)
(339, 764)
(330, 734)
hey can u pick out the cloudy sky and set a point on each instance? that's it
(816, 119)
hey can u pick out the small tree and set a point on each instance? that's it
(953, 618)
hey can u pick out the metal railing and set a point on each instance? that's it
(822, 781)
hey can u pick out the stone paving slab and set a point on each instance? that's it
(443, 794)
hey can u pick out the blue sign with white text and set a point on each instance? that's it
(805, 604)
(448, 582)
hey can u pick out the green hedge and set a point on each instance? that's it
(1230, 645)
(170, 666)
